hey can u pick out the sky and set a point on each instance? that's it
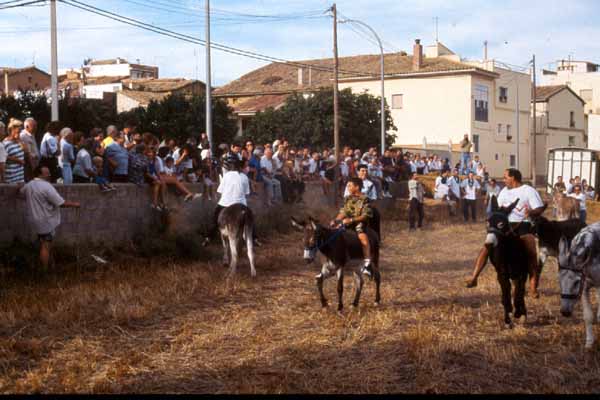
(514, 29)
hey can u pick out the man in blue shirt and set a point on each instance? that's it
(118, 159)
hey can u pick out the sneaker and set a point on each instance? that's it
(105, 189)
(188, 197)
(155, 207)
(205, 242)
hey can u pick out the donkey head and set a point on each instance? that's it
(497, 222)
(312, 231)
(572, 261)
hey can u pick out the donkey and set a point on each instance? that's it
(339, 248)
(236, 224)
(509, 255)
(564, 207)
(579, 272)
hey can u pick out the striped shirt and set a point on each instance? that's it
(14, 172)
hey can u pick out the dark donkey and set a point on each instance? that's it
(339, 248)
(510, 257)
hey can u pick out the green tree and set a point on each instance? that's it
(308, 121)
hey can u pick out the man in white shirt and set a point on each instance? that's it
(442, 187)
(27, 136)
(43, 205)
(272, 185)
(530, 205)
(470, 188)
(581, 198)
(234, 188)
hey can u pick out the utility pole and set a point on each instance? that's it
(336, 117)
(518, 111)
(54, 60)
(533, 140)
(209, 125)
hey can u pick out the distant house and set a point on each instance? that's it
(560, 123)
(23, 79)
(119, 67)
(95, 87)
(140, 92)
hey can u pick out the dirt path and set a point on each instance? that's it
(182, 329)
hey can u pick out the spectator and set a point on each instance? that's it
(415, 190)
(84, 171)
(111, 133)
(441, 188)
(475, 163)
(368, 188)
(588, 190)
(98, 179)
(118, 159)
(128, 133)
(2, 151)
(465, 148)
(204, 143)
(184, 161)
(168, 178)
(559, 186)
(581, 198)
(470, 187)
(569, 186)
(446, 166)
(28, 139)
(272, 185)
(43, 205)
(67, 155)
(50, 150)
(16, 153)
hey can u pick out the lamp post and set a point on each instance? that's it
(382, 78)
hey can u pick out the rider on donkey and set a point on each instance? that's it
(355, 215)
(530, 206)
(234, 188)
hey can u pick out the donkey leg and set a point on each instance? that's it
(506, 299)
(326, 270)
(358, 285)
(377, 277)
(519, 298)
(225, 242)
(320, 280)
(340, 288)
(233, 247)
(588, 318)
(250, 249)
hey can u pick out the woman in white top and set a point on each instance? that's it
(442, 187)
(581, 198)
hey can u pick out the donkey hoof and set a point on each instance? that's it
(509, 325)
(376, 304)
(355, 306)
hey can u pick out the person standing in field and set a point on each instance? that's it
(43, 204)
(416, 194)
(465, 148)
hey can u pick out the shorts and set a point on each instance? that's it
(46, 237)
(359, 227)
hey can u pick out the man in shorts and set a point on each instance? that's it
(43, 204)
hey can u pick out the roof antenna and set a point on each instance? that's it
(436, 19)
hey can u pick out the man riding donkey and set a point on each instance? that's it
(530, 206)
(356, 215)
(234, 188)
(369, 190)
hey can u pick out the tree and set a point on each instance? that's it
(178, 117)
(308, 121)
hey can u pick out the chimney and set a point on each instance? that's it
(300, 76)
(417, 55)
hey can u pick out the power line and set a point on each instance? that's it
(190, 39)
(8, 6)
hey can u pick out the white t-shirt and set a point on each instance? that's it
(42, 206)
(49, 146)
(470, 190)
(441, 189)
(234, 188)
(312, 166)
(581, 197)
(185, 164)
(267, 164)
(528, 197)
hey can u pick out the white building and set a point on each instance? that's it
(119, 67)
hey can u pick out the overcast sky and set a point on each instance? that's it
(515, 30)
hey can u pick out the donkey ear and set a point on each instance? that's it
(494, 203)
(563, 251)
(512, 206)
(297, 224)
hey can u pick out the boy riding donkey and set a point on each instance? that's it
(356, 215)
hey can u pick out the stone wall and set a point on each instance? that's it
(107, 218)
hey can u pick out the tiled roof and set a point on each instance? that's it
(109, 61)
(260, 103)
(144, 98)
(544, 93)
(283, 78)
(159, 85)
(104, 80)
(12, 71)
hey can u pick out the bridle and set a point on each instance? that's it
(496, 231)
(580, 272)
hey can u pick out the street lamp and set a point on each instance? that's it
(382, 77)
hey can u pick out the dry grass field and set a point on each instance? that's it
(160, 327)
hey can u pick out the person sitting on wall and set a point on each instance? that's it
(43, 204)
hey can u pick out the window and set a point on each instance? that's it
(586, 95)
(513, 161)
(499, 130)
(503, 94)
(496, 157)
(476, 143)
(508, 132)
(571, 141)
(572, 119)
(481, 103)
(397, 101)
(29, 79)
